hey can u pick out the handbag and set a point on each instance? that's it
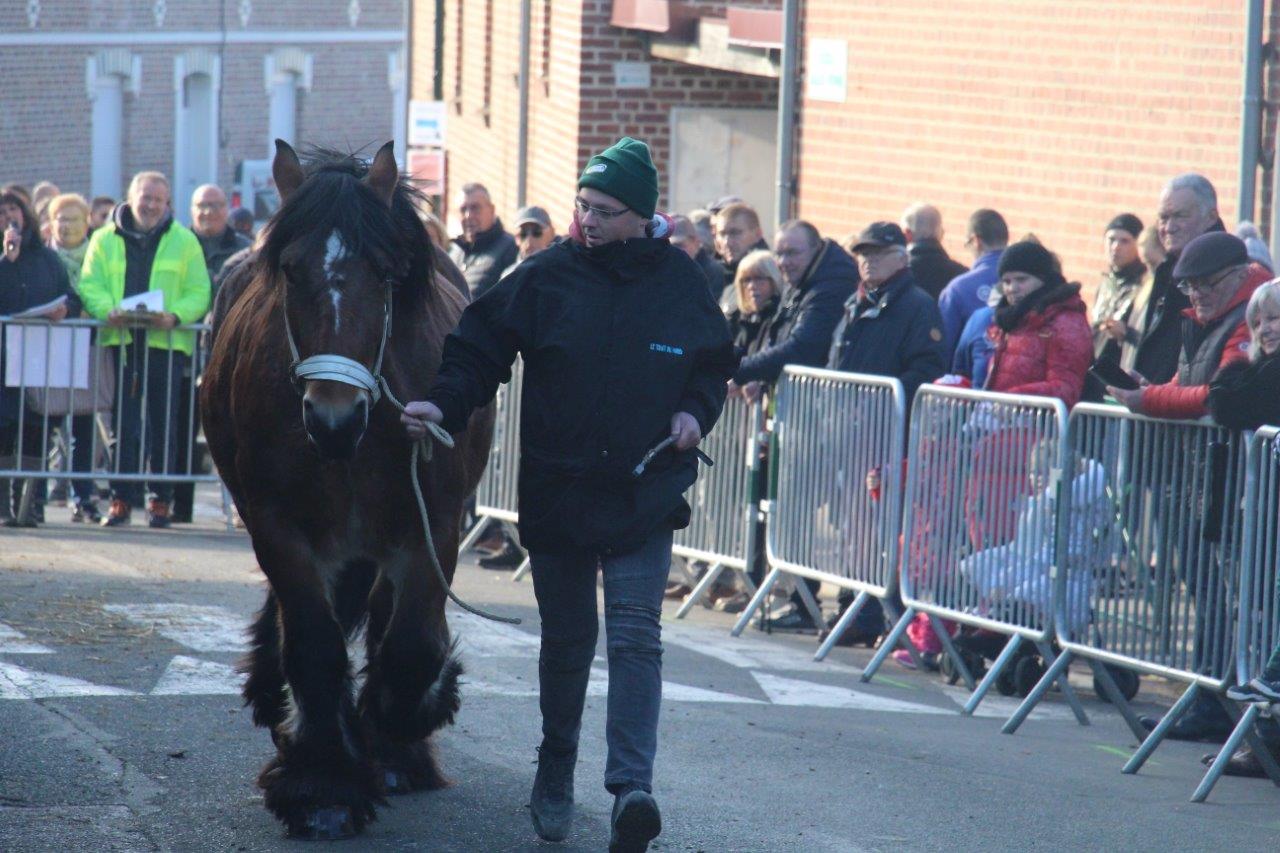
(98, 397)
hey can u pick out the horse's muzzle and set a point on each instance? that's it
(336, 427)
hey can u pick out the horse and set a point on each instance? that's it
(342, 297)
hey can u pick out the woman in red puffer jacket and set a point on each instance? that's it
(1040, 331)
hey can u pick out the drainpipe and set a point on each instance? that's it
(1251, 118)
(522, 143)
(787, 108)
(437, 56)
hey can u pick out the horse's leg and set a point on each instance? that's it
(412, 685)
(264, 685)
(322, 783)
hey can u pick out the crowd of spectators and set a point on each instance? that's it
(68, 257)
(1186, 309)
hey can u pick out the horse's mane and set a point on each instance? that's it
(334, 197)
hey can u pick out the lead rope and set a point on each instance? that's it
(339, 369)
(422, 450)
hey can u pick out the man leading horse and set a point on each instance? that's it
(624, 350)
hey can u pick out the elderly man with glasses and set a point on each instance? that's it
(625, 353)
(1215, 273)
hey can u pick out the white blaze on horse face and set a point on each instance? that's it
(334, 251)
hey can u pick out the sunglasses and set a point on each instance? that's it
(534, 231)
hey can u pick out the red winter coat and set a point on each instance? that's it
(1048, 352)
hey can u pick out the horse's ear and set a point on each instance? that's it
(286, 170)
(383, 173)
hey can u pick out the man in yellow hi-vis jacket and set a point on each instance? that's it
(142, 249)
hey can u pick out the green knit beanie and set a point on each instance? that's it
(626, 172)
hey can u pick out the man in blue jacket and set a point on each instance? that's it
(890, 327)
(987, 236)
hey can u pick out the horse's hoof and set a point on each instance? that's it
(396, 782)
(328, 824)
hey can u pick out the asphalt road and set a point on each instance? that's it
(120, 729)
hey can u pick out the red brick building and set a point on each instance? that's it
(598, 69)
(1058, 114)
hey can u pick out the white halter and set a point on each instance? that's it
(338, 368)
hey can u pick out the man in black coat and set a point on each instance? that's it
(931, 267)
(623, 349)
(820, 278)
(483, 250)
(890, 327)
(1188, 208)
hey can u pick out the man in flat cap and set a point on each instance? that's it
(624, 349)
(1215, 273)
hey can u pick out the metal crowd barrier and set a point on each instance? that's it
(983, 477)
(834, 432)
(1153, 564)
(1258, 621)
(497, 496)
(722, 528)
(88, 412)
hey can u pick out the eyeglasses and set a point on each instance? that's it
(1191, 285)
(604, 213)
(527, 231)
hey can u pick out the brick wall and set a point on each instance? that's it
(574, 107)
(1049, 112)
(45, 133)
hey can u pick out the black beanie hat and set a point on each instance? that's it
(1126, 222)
(1033, 259)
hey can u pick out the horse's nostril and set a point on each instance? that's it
(308, 406)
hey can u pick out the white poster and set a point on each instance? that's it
(827, 70)
(35, 358)
(427, 123)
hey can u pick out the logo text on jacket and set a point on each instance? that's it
(667, 348)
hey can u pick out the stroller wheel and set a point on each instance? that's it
(1125, 679)
(1006, 683)
(1027, 674)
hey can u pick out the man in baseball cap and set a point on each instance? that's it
(534, 232)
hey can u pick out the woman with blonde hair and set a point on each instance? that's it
(69, 232)
(758, 286)
(1246, 394)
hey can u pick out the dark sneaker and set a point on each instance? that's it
(636, 822)
(797, 621)
(1257, 690)
(1241, 763)
(551, 802)
(118, 515)
(86, 511)
(1199, 724)
(158, 515)
(508, 559)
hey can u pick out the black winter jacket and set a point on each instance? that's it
(897, 331)
(483, 262)
(1161, 341)
(808, 315)
(1246, 394)
(615, 339)
(931, 266)
(37, 277)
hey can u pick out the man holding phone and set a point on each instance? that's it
(1215, 273)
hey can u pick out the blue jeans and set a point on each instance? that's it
(565, 585)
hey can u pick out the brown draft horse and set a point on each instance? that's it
(319, 470)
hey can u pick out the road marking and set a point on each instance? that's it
(793, 692)
(488, 639)
(198, 627)
(598, 685)
(748, 652)
(1002, 707)
(14, 642)
(19, 683)
(186, 676)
